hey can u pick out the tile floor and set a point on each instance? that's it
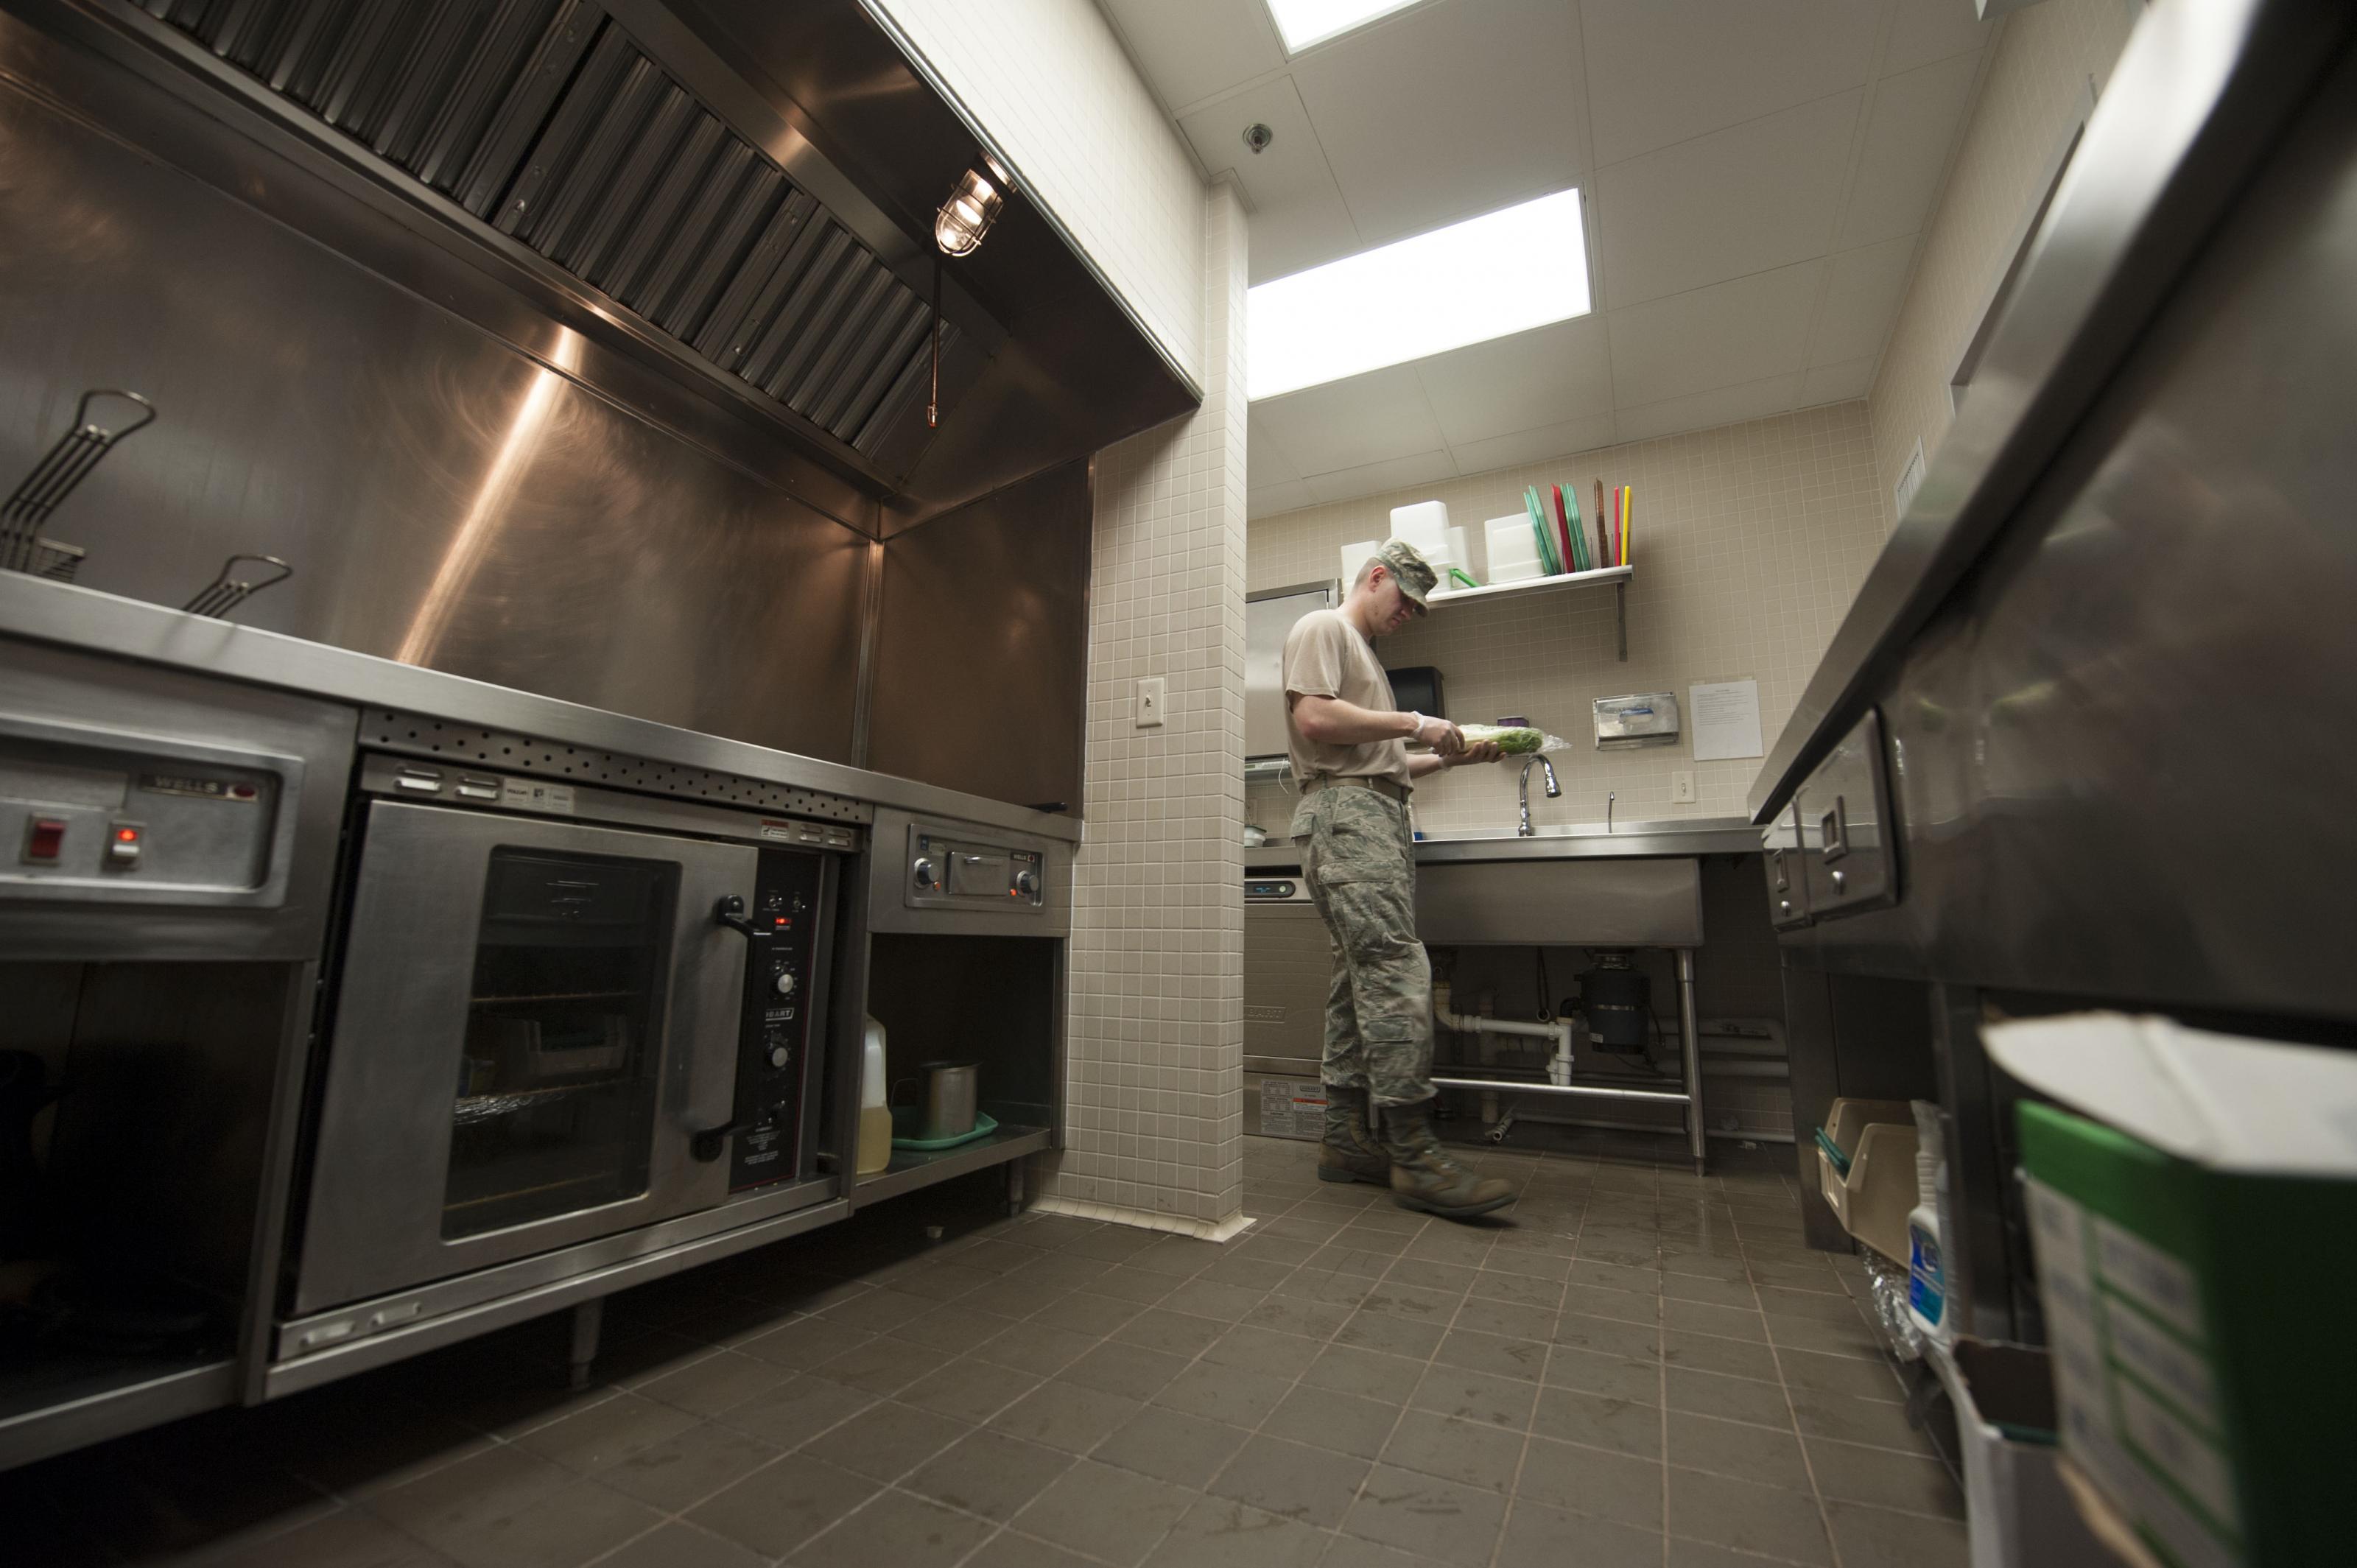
(1630, 1366)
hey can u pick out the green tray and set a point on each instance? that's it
(906, 1116)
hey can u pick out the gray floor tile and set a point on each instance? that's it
(1856, 1375)
(1350, 1552)
(1306, 1319)
(676, 1473)
(1599, 1421)
(1592, 1481)
(1704, 1288)
(595, 1437)
(1175, 1333)
(956, 1329)
(1036, 1347)
(883, 1366)
(1477, 1396)
(1449, 1277)
(1730, 1398)
(1595, 1373)
(1642, 1307)
(1012, 1549)
(1537, 1536)
(1826, 1307)
(1729, 1322)
(887, 1440)
(1714, 1353)
(1507, 1320)
(495, 1484)
(1209, 1298)
(1293, 1480)
(1879, 1538)
(348, 1538)
(1479, 1352)
(1370, 1374)
(1475, 1453)
(796, 1410)
(1262, 1350)
(1344, 1423)
(1083, 1312)
(1878, 1475)
(1731, 1448)
(1446, 1521)
(716, 1384)
(1747, 1516)
(1520, 1290)
(1614, 1276)
(899, 1528)
(1231, 1394)
(673, 1545)
(1605, 1336)
(803, 1343)
(1392, 1335)
(1219, 1533)
(1142, 1287)
(1065, 1415)
(1129, 1371)
(969, 1390)
(1871, 1422)
(1417, 1305)
(562, 1528)
(990, 1473)
(1171, 1445)
(1105, 1512)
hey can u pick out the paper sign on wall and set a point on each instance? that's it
(1726, 719)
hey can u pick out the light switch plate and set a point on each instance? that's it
(1153, 691)
(1681, 788)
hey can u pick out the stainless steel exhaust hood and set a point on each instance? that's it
(771, 253)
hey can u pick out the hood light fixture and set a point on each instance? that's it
(959, 227)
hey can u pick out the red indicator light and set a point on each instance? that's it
(781, 920)
(128, 835)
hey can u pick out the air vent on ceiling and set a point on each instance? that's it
(543, 119)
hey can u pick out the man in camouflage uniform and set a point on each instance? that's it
(1349, 747)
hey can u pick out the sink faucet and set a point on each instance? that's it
(1553, 789)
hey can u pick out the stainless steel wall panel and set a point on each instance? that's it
(446, 500)
(983, 691)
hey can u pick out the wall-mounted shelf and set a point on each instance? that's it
(1617, 578)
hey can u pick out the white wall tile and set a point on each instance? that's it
(2043, 59)
(1154, 1079)
(1750, 541)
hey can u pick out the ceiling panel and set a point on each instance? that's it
(1456, 108)
(1861, 301)
(1924, 30)
(1836, 384)
(1300, 235)
(1762, 195)
(1535, 445)
(1298, 217)
(1346, 423)
(1542, 377)
(1663, 71)
(1285, 495)
(1190, 52)
(1701, 411)
(1909, 127)
(1374, 478)
(1716, 337)
(1264, 453)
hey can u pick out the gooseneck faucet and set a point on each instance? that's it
(1553, 789)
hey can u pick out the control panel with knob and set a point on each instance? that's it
(774, 1061)
(974, 872)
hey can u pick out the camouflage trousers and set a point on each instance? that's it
(1358, 857)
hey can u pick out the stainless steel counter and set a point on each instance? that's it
(68, 616)
(1675, 836)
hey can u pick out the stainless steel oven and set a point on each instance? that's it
(561, 1013)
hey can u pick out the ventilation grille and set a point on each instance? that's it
(541, 118)
(389, 729)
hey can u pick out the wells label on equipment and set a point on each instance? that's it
(1292, 1108)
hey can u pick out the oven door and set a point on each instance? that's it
(534, 1020)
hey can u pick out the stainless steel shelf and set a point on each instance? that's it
(1617, 578)
(912, 1168)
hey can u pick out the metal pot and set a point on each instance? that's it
(950, 1093)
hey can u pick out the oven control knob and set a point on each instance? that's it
(780, 1056)
(785, 985)
(1027, 883)
(923, 871)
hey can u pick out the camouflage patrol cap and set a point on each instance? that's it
(1411, 571)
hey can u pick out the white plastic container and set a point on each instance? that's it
(2017, 1509)
(1513, 550)
(875, 1114)
(1424, 525)
(1355, 557)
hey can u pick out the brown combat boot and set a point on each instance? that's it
(1351, 1152)
(1424, 1175)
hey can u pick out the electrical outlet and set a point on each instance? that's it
(1153, 691)
(1681, 788)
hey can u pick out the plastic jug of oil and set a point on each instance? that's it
(875, 1114)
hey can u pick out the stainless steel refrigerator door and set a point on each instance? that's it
(409, 1032)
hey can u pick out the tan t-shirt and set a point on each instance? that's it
(1326, 657)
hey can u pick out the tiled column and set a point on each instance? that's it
(1153, 1086)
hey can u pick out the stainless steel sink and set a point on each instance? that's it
(1557, 900)
(1567, 841)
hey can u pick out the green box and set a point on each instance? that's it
(2205, 1362)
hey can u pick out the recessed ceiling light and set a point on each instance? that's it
(1503, 272)
(1305, 22)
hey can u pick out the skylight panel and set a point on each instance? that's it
(1305, 22)
(1501, 272)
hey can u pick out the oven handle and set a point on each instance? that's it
(730, 912)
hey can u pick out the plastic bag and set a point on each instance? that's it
(1514, 740)
(1887, 1288)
